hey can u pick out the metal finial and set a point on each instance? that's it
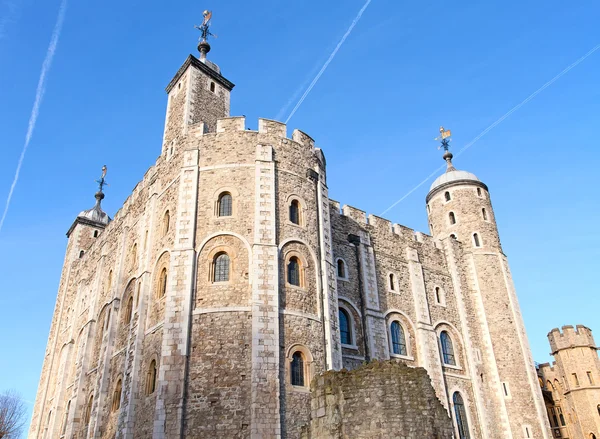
(204, 29)
(445, 139)
(102, 182)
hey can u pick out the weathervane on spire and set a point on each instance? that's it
(204, 27)
(102, 182)
(445, 138)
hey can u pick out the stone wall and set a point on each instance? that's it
(378, 400)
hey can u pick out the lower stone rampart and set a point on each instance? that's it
(382, 399)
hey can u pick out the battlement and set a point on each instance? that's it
(570, 337)
(382, 225)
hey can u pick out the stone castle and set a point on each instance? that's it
(229, 280)
(571, 385)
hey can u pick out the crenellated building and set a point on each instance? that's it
(571, 385)
(229, 280)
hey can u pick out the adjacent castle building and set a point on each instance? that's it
(229, 280)
(571, 385)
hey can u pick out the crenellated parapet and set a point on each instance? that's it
(571, 337)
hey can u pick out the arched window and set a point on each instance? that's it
(151, 378)
(461, 416)
(95, 233)
(341, 269)
(47, 433)
(392, 282)
(225, 204)
(476, 240)
(293, 271)
(452, 218)
(88, 410)
(162, 284)
(295, 212)
(129, 310)
(81, 253)
(134, 255)
(116, 401)
(221, 268)
(109, 281)
(297, 369)
(345, 328)
(65, 420)
(484, 214)
(562, 419)
(555, 419)
(447, 196)
(592, 436)
(398, 339)
(453, 236)
(166, 223)
(431, 228)
(447, 349)
(107, 319)
(212, 87)
(479, 192)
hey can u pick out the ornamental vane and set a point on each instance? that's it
(102, 182)
(204, 28)
(444, 138)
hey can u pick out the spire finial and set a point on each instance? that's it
(203, 45)
(101, 183)
(445, 139)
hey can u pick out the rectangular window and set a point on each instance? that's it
(506, 390)
(590, 378)
(575, 380)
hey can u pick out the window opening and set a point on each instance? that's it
(151, 378)
(575, 380)
(590, 378)
(447, 196)
(295, 212)
(166, 221)
(293, 271)
(95, 233)
(461, 416)
(225, 204)
(162, 283)
(116, 402)
(476, 240)
(212, 87)
(297, 369)
(345, 332)
(392, 282)
(63, 430)
(437, 295)
(452, 218)
(81, 253)
(221, 268)
(398, 339)
(447, 349)
(341, 268)
(484, 214)
(129, 310)
(88, 410)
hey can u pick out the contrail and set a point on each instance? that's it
(492, 126)
(39, 94)
(335, 51)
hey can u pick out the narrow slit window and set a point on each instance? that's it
(484, 214)
(295, 212)
(398, 339)
(81, 253)
(392, 284)
(225, 204)
(438, 298)
(88, 410)
(151, 378)
(575, 380)
(129, 310)
(221, 268)
(452, 218)
(212, 87)
(590, 378)
(162, 283)
(345, 329)
(479, 192)
(447, 196)
(293, 271)
(341, 269)
(297, 369)
(95, 233)
(476, 240)
(116, 402)
(166, 223)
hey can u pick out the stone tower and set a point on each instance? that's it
(576, 379)
(506, 390)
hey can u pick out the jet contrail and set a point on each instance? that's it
(492, 126)
(335, 51)
(39, 94)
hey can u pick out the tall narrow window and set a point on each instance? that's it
(452, 218)
(461, 416)
(590, 378)
(225, 204)
(293, 271)
(166, 223)
(107, 319)
(129, 310)
(109, 281)
(447, 196)
(527, 433)
(63, 430)
(162, 283)
(555, 420)
(88, 410)
(341, 269)
(295, 212)
(151, 378)
(484, 214)
(116, 401)
(476, 240)
(95, 233)
(440, 299)
(592, 436)
(447, 349)
(297, 369)
(212, 87)
(47, 434)
(221, 268)
(562, 419)
(479, 192)
(598, 409)
(81, 253)
(398, 339)
(345, 330)
(134, 255)
(392, 282)
(431, 228)
(575, 380)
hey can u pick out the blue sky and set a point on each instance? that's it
(407, 68)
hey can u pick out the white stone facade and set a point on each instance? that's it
(148, 341)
